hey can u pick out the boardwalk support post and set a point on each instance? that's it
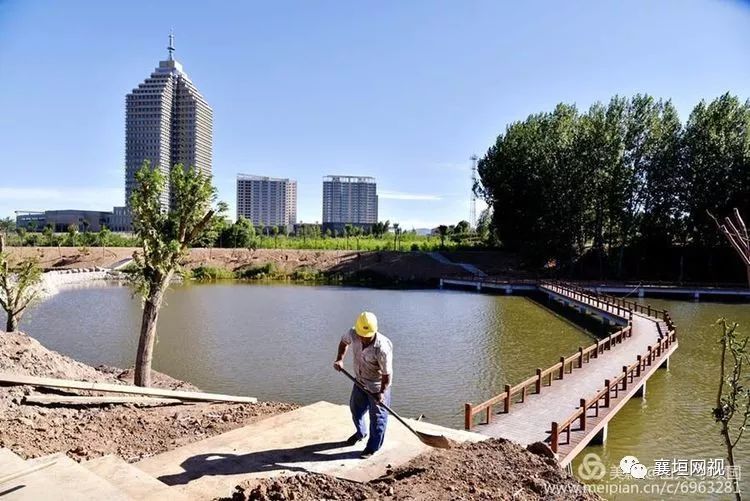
(467, 416)
(624, 377)
(580, 357)
(600, 437)
(607, 396)
(583, 415)
(665, 364)
(507, 398)
(554, 437)
(538, 381)
(562, 367)
(641, 391)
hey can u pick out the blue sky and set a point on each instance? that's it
(402, 91)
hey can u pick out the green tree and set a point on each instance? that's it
(48, 234)
(442, 233)
(348, 228)
(72, 240)
(165, 236)
(462, 227)
(717, 162)
(21, 232)
(7, 226)
(103, 238)
(19, 287)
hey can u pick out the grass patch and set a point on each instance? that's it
(206, 273)
(267, 271)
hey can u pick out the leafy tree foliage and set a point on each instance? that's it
(19, 286)
(622, 174)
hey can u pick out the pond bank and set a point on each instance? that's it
(83, 433)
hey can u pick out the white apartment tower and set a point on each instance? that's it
(350, 200)
(167, 122)
(267, 201)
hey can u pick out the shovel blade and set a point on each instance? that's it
(438, 441)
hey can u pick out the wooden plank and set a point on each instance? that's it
(121, 388)
(83, 400)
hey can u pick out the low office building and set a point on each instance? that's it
(61, 220)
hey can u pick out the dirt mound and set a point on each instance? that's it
(493, 469)
(129, 431)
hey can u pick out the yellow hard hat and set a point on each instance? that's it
(366, 324)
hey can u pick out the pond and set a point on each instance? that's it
(278, 342)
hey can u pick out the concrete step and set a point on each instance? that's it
(10, 461)
(131, 480)
(308, 439)
(65, 480)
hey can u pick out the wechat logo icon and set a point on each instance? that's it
(631, 466)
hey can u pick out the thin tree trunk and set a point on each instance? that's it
(147, 338)
(730, 458)
(12, 324)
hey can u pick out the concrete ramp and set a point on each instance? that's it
(309, 439)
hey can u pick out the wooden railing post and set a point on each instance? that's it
(562, 367)
(554, 437)
(638, 368)
(597, 349)
(650, 355)
(583, 414)
(625, 377)
(607, 395)
(468, 414)
(538, 380)
(507, 398)
(649, 310)
(580, 357)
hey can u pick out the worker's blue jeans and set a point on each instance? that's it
(360, 403)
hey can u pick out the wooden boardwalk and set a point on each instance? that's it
(569, 404)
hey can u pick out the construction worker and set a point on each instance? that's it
(373, 369)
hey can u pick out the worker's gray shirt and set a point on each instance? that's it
(371, 362)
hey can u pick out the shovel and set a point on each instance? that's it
(438, 441)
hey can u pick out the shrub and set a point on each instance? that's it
(307, 274)
(267, 270)
(204, 273)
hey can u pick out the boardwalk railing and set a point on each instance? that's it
(583, 294)
(611, 386)
(534, 384)
(537, 381)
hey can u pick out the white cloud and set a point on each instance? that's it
(398, 195)
(13, 199)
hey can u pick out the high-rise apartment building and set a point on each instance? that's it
(167, 122)
(349, 200)
(267, 201)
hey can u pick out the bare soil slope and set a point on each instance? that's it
(400, 266)
(494, 469)
(126, 430)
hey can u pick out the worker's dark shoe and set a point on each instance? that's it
(367, 454)
(355, 438)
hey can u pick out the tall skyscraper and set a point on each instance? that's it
(167, 122)
(349, 200)
(267, 201)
